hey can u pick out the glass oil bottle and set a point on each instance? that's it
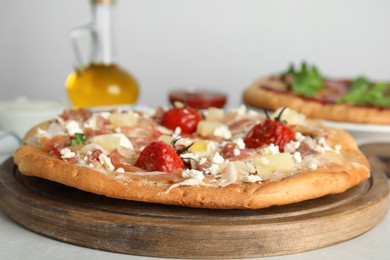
(100, 82)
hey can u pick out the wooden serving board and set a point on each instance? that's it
(93, 221)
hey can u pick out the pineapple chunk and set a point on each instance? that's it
(207, 128)
(242, 166)
(111, 141)
(199, 146)
(266, 164)
(214, 114)
(292, 117)
(123, 119)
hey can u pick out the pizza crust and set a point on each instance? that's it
(304, 185)
(262, 98)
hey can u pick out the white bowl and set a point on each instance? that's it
(19, 116)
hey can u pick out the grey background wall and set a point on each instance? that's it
(220, 44)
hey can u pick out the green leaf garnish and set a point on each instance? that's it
(307, 81)
(79, 139)
(364, 92)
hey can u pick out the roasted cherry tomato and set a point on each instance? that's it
(271, 131)
(186, 118)
(159, 156)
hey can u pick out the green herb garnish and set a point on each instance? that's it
(307, 81)
(364, 92)
(79, 139)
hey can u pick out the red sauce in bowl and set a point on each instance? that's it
(200, 99)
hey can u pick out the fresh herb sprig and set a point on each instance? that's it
(307, 81)
(79, 139)
(364, 92)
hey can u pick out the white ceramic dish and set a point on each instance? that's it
(364, 133)
(367, 128)
(18, 116)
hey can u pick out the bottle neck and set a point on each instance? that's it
(102, 18)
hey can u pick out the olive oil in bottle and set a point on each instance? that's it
(101, 82)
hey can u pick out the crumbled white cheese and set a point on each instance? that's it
(192, 174)
(66, 153)
(202, 161)
(322, 146)
(82, 162)
(313, 166)
(106, 161)
(120, 170)
(72, 127)
(299, 137)
(217, 158)
(297, 157)
(291, 146)
(236, 152)
(322, 141)
(214, 169)
(271, 149)
(240, 143)
(222, 131)
(251, 178)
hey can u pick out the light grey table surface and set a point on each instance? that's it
(16, 242)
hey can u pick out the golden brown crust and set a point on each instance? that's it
(306, 184)
(25, 150)
(262, 98)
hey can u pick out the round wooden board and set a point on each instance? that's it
(93, 221)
